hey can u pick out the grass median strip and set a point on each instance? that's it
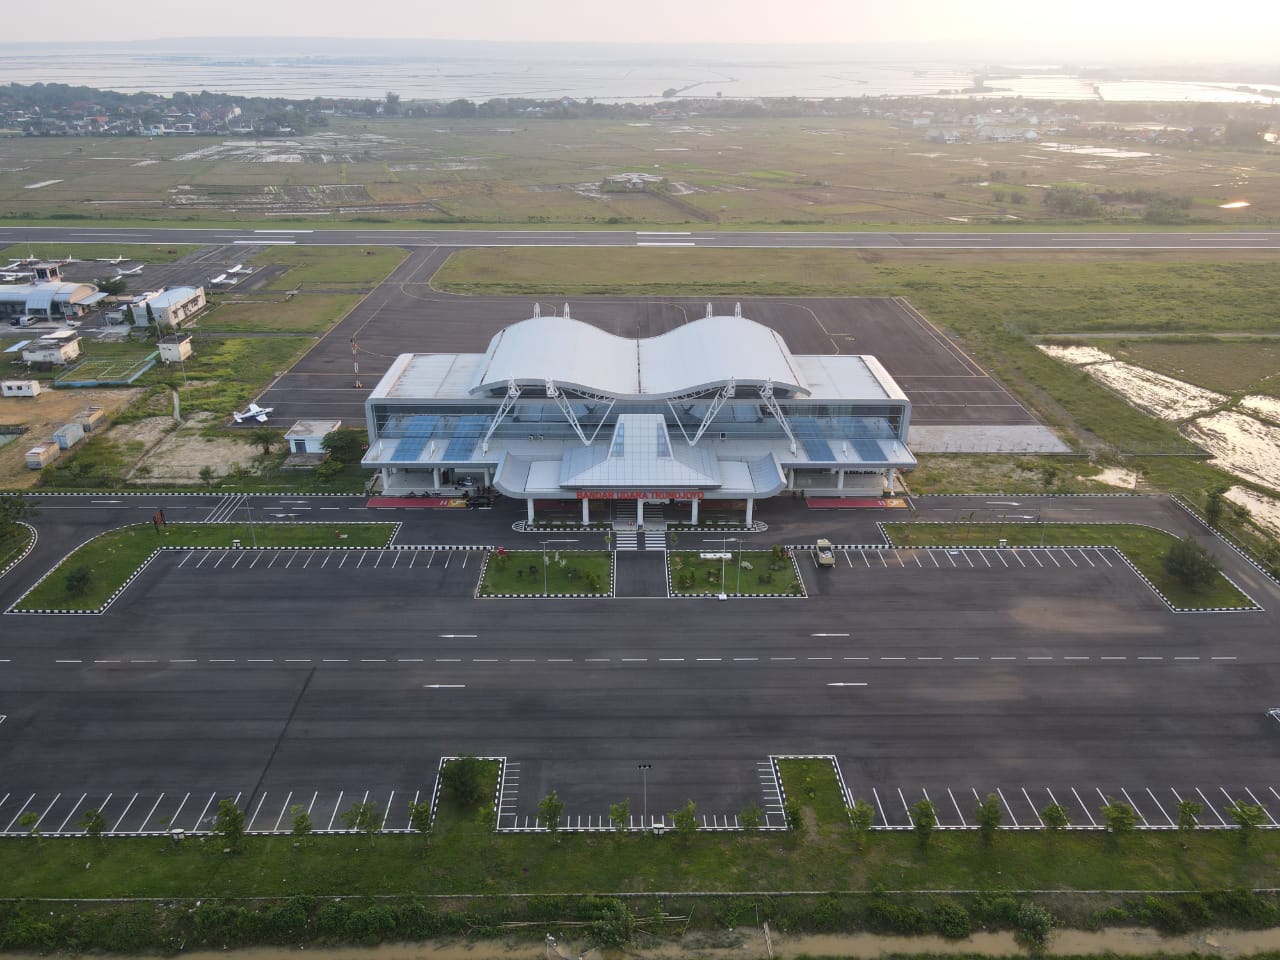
(1144, 546)
(737, 572)
(87, 578)
(535, 573)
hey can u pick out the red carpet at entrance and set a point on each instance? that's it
(853, 503)
(416, 502)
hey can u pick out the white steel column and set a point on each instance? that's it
(751, 506)
(839, 479)
(639, 514)
(529, 509)
(586, 510)
(435, 472)
(888, 479)
(693, 517)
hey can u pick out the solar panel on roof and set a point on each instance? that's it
(465, 435)
(809, 433)
(869, 451)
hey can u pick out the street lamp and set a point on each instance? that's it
(253, 534)
(724, 553)
(644, 777)
(544, 561)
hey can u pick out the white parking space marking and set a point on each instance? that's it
(956, 804)
(123, 815)
(1032, 806)
(1210, 806)
(1084, 807)
(1129, 800)
(63, 826)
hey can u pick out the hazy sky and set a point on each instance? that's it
(1135, 30)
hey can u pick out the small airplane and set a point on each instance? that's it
(114, 261)
(240, 268)
(254, 412)
(15, 276)
(129, 273)
(219, 280)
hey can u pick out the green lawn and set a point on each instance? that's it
(12, 545)
(1144, 546)
(746, 572)
(523, 573)
(140, 252)
(305, 313)
(330, 267)
(113, 556)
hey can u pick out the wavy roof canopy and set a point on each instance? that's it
(700, 355)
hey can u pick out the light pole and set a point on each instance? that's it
(544, 561)
(644, 779)
(724, 553)
(253, 534)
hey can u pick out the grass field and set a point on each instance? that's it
(330, 267)
(746, 572)
(1234, 366)
(740, 172)
(13, 544)
(90, 252)
(524, 573)
(1144, 546)
(304, 313)
(112, 557)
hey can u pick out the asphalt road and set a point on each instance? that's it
(968, 240)
(322, 676)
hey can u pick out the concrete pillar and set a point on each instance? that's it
(751, 506)
(586, 511)
(436, 473)
(693, 516)
(791, 479)
(639, 514)
(528, 502)
(888, 480)
(486, 477)
(839, 479)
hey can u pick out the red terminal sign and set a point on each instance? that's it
(641, 495)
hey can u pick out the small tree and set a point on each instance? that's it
(751, 818)
(686, 819)
(1248, 817)
(420, 817)
(862, 815)
(1188, 815)
(988, 814)
(263, 437)
(1055, 817)
(151, 315)
(228, 823)
(30, 822)
(345, 446)
(924, 819)
(463, 778)
(15, 507)
(301, 820)
(1214, 506)
(1190, 564)
(365, 817)
(620, 815)
(1119, 817)
(549, 812)
(207, 476)
(93, 823)
(79, 580)
(791, 812)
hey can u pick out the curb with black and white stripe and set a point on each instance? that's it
(31, 544)
(1241, 551)
(13, 608)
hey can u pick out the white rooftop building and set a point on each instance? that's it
(717, 409)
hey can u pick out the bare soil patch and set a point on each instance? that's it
(1264, 510)
(1241, 445)
(42, 415)
(1165, 397)
(180, 457)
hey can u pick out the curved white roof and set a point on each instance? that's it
(703, 354)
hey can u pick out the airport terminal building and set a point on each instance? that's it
(716, 409)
